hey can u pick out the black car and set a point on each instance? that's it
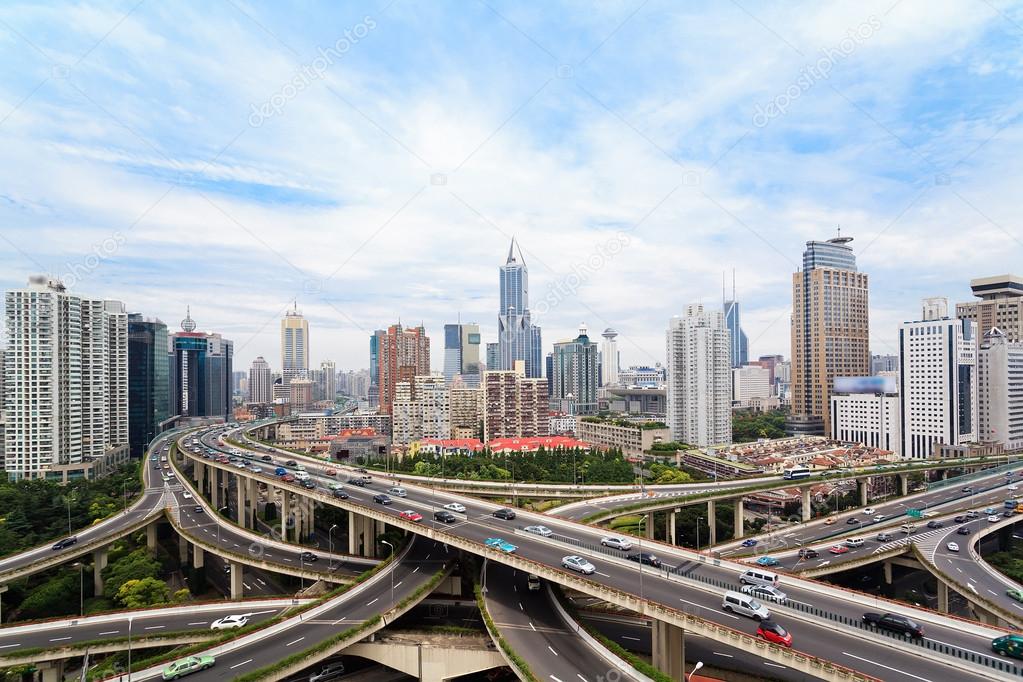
(198, 510)
(505, 513)
(960, 519)
(291, 463)
(356, 481)
(444, 516)
(381, 499)
(66, 542)
(935, 524)
(894, 623)
(967, 489)
(807, 553)
(1008, 513)
(645, 558)
(963, 530)
(340, 494)
(853, 521)
(267, 458)
(308, 557)
(361, 470)
(309, 484)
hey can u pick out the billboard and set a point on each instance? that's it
(865, 385)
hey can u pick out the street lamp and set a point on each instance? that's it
(81, 587)
(391, 569)
(129, 648)
(698, 520)
(699, 664)
(330, 540)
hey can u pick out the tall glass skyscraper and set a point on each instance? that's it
(518, 338)
(200, 372)
(148, 381)
(738, 343)
(462, 353)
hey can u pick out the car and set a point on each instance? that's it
(288, 478)
(455, 507)
(533, 582)
(504, 513)
(154, 458)
(66, 542)
(330, 471)
(767, 561)
(256, 470)
(808, 553)
(853, 521)
(973, 514)
(332, 671)
(170, 474)
(291, 463)
(308, 557)
(853, 543)
(770, 631)
(1008, 513)
(381, 499)
(749, 542)
(645, 558)
(1008, 645)
(1015, 593)
(616, 542)
(198, 510)
(187, 495)
(398, 491)
(187, 666)
(767, 592)
(968, 489)
(879, 518)
(960, 519)
(280, 471)
(309, 484)
(339, 494)
(838, 549)
(356, 481)
(867, 511)
(444, 516)
(156, 466)
(994, 518)
(990, 511)
(830, 521)
(501, 544)
(267, 458)
(894, 622)
(577, 563)
(1012, 487)
(230, 622)
(410, 515)
(542, 531)
(335, 486)
(952, 547)
(963, 530)
(935, 524)
(884, 537)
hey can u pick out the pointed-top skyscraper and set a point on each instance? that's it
(738, 343)
(518, 338)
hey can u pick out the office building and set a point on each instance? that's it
(937, 383)
(830, 330)
(462, 353)
(575, 375)
(148, 382)
(373, 393)
(300, 395)
(200, 367)
(749, 382)
(883, 363)
(493, 356)
(294, 346)
(641, 375)
(326, 381)
(1000, 305)
(699, 408)
(514, 406)
(1000, 390)
(66, 383)
(609, 358)
(518, 338)
(769, 362)
(648, 401)
(260, 382)
(738, 343)
(401, 355)
(870, 419)
(631, 439)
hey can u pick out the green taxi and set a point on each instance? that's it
(187, 666)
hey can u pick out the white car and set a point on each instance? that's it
(577, 563)
(952, 547)
(994, 518)
(455, 507)
(879, 518)
(1013, 487)
(230, 622)
(767, 592)
(187, 495)
(868, 511)
(615, 542)
(542, 531)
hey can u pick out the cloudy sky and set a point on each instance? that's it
(373, 160)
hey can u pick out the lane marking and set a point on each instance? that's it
(202, 622)
(373, 602)
(700, 606)
(8, 646)
(532, 626)
(155, 627)
(773, 665)
(398, 584)
(634, 639)
(417, 568)
(603, 574)
(295, 641)
(881, 665)
(520, 607)
(59, 639)
(339, 620)
(552, 650)
(238, 665)
(114, 632)
(718, 653)
(555, 678)
(581, 677)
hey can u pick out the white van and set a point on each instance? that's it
(398, 491)
(758, 576)
(301, 475)
(745, 605)
(908, 528)
(853, 543)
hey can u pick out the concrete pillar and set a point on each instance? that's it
(887, 573)
(198, 557)
(903, 484)
(237, 588)
(672, 533)
(182, 550)
(215, 489)
(310, 516)
(240, 490)
(284, 513)
(712, 517)
(51, 671)
(648, 525)
(353, 534)
(942, 597)
(299, 511)
(669, 649)
(806, 503)
(864, 485)
(151, 538)
(99, 562)
(740, 519)
(369, 537)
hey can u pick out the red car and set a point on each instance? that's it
(410, 515)
(330, 472)
(288, 478)
(774, 633)
(839, 549)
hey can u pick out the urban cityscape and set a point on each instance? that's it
(273, 410)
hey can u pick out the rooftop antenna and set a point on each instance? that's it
(733, 284)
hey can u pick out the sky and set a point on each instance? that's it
(372, 161)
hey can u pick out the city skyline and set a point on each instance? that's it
(124, 194)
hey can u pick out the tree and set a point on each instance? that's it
(182, 595)
(136, 594)
(58, 596)
(134, 566)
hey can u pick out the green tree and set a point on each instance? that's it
(134, 566)
(58, 596)
(136, 594)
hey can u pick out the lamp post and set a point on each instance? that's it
(391, 571)
(699, 664)
(330, 541)
(129, 648)
(698, 520)
(81, 587)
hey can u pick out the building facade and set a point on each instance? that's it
(738, 343)
(260, 381)
(609, 358)
(462, 353)
(699, 392)
(871, 419)
(575, 375)
(830, 330)
(640, 375)
(148, 382)
(514, 405)
(632, 439)
(294, 346)
(466, 412)
(748, 382)
(422, 409)
(200, 368)
(1000, 390)
(1000, 305)
(518, 338)
(402, 355)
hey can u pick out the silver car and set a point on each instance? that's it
(577, 563)
(615, 542)
(766, 592)
(542, 531)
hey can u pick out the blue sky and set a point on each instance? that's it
(373, 160)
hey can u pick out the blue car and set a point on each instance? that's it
(767, 561)
(500, 544)
(749, 543)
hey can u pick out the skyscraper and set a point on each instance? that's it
(830, 330)
(326, 380)
(375, 341)
(699, 390)
(294, 345)
(609, 358)
(575, 379)
(738, 343)
(260, 382)
(493, 356)
(66, 383)
(1000, 305)
(200, 372)
(1000, 390)
(462, 353)
(518, 338)
(402, 354)
(148, 381)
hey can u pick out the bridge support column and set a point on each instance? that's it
(806, 508)
(887, 573)
(99, 562)
(198, 557)
(739, 524)
(215, 489)
(942, 597)
(285, 512)
(310, 516)
(671, 526)
(199, 476)
(903, 484)
(353, 534)
(51, 671)
(237, 588)
(240, 490)
(151, 538)
(669, 649)
(864, 486)
(648, 525)
(369, 537)
(182, 550)
(712, 522)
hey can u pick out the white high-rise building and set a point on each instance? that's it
(294, 346)
(260, 382)
(699, 391)
(327, 380)
(871, 419)
(937, 382)
(66, 383)
(609, 358)
(1000, 390)
(750, 381)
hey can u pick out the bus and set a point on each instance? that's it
(794, 473)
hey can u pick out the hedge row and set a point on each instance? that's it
(522, 667)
